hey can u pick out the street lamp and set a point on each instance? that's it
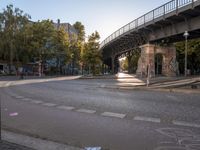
(186, 34)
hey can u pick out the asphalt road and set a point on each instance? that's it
(84, 113)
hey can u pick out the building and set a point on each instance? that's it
(68, 28)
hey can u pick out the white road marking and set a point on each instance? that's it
(86, 111)
(26, 99)
(19, 97)
(111, 114)
(13, 95)
(187, 124)
(93, 148)
(49, 104)
(65, 107)
(36, 102)
(149, 119)
(13, 114)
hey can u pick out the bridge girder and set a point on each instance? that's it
(167, 27)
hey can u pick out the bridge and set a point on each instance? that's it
(154, 34)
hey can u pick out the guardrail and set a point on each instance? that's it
(171, 6)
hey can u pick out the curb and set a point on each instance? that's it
(173, 85)
(34, 143)
(97, 77)
(177, 80)
(5, 84)
(188, 91)
(5, 145)
(25, 81)
(174, 90)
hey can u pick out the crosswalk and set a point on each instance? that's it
(107, 114)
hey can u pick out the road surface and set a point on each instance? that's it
(84, 113)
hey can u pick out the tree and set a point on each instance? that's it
(124, 64)
(61, 48)
(24, 41)
(81, 31)
(91, 54)
(78, 45)
(130, 63)
(134, 61)
(193, 55)
(75, 47)
(12, 22)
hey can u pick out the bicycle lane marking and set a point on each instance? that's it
(183, 139)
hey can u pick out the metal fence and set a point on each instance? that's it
(150, 16)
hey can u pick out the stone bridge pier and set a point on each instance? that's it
(161, 60)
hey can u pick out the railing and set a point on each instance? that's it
(150, 16)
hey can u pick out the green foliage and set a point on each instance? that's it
(42, 38)
(81, 31)
(134, 61)
(91, 54)
(130, 62)
(124, 64)
(60, 46)
(193, 55)
(12, 24)
(23, 41)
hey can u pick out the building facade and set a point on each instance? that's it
(72, 33)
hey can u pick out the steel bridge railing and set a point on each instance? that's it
(161, 11)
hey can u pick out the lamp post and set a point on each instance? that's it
(148, 74)
(186, 34)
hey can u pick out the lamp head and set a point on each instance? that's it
(186, 34)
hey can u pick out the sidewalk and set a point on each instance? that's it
(4, 145)
(190, 84)
(162, 81)
(15, 78)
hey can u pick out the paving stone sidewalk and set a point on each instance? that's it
(4, 145)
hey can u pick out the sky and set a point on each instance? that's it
(104, 16)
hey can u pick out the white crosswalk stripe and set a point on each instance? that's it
(86, 111)
(111, 114)
(65, 107)
(49, 104)
(148, 119)
(187, 124)
(26, 99)
(19, 97)
(36, 102)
